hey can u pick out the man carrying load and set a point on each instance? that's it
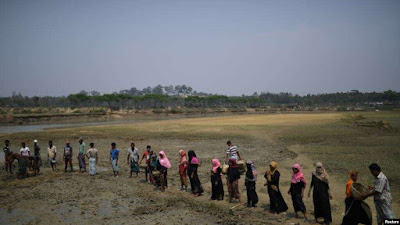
(232, 153)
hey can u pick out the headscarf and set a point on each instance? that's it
(320, 173)
(271, 172)
(215, 164)
(194, 161)
(251, 174)
(164, 160)
(350, 183)
(233, 163)
(252, 166)
(299, 176)
(191, 154)
(183, 158)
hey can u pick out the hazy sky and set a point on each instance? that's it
(227, 47)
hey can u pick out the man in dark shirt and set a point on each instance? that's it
(7, 153)
(36, 157)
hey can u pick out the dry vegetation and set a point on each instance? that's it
(288, 138)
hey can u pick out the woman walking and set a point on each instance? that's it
(250, 183)
(195, 184)
(277, 203)
(217, 188)
(233, 181)
(163, 166)
(321, 194)
(297, 187)
(91, 154)
(183, 163)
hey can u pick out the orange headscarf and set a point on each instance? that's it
(349, 183)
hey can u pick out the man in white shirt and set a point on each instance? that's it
(25, 150)
(232, 152)
(382, 195)
(132, 159)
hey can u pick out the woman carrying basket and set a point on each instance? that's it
(357, 211)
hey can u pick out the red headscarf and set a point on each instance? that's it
(233, 163)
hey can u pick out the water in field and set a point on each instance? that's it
(40, 127)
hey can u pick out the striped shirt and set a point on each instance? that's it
(232, 151)
(381, 185)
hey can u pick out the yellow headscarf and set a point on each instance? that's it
(272, 170)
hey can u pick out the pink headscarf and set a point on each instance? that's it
(216, 164)
(195, 160)
(164, 160)
(299, 176)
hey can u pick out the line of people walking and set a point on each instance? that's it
(156, 168)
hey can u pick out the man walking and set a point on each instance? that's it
(382, 195)
(51, 155)
(81, 155)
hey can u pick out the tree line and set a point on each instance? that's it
(184, 96)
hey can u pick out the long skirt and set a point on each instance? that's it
(233, 189)
(134, 166)
(252, 197)
(277, 203)
(217, 189)
(322, 206)
(163, 181)
(183, 175)
(82, 163)
(196, 184)
(92, 166)
(22, 165)
(358, 213)
(298, 203)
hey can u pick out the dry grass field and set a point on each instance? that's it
(335, 139)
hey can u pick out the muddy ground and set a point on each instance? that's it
(73, 198)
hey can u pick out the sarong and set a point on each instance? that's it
(114, 165)
(52, 161)
(82, 163)
(233, 189)
(92, 166)
(134, 166)
(22, 164)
